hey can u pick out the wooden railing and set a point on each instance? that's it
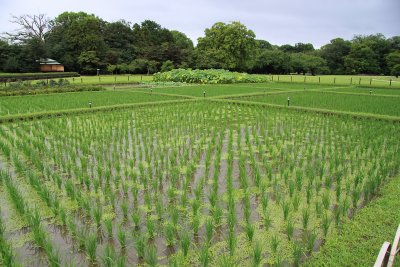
(388, 252)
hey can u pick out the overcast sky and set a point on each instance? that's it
(279, 22)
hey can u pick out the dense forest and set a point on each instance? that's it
(84, 43)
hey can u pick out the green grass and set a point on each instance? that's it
(374, 81)
(332, 101)
(111, 79)
(233, 89)
(366, 90)
(359, 241)
(63, 101)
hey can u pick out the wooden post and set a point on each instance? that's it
(81, 80)
(278, 78)
(390, 82)
(351, 80)
(370, 81)
(334, 80)
(291, 79)
(128, 77)
(272, 77)
(319, 79)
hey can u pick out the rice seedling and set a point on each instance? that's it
(124, 208)
(274, 244)
(140, 245)
(326, 222)
(249, 228)
(297, 254)
(135, 219)
(204, 255)
(169, 232)
(109, 256)
(151, 255)
(97, 215)
(151, 228)
(121, 234)
(209, 227)
(109, 227)
(289, 228)
(91, 246)
(257, 254)
(231, 241)
(185, 242)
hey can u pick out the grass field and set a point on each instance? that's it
(370, 81)
(330, 100)
(200, 182)
(63, 101)
(363, 90)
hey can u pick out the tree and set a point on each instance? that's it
(272, 61)
(334, 54)
(118, 37)
(380, 47)
(73, 33)
(232, 46)
(392, 60)
(30, 27)
(89, 62)
(167, 66)
(395, 70)
(362, 59)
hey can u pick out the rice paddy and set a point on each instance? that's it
(196, 183)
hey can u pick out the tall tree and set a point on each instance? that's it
(118, 37)
(30, 27)
(73, 33)
(231, 45)
(334, 54)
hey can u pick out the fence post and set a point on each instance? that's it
(291, 78)
(351, 80)
(319, 79)
(390, 82)
(278, 78)
(272, 77)
(334, 80)
(370, 81)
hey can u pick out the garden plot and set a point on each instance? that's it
(186, 184)
(334, 101)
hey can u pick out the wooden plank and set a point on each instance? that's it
(383, 256)
(394, 247)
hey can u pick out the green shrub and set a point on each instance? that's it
(210, 76)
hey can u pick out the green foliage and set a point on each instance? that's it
(210, 76)
(227, 46)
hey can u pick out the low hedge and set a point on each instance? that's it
(49, 90)
(12, 77)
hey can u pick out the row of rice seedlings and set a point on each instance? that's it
(33, 217)
(53, 202)
(7, 255)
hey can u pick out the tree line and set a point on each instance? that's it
(84, 43)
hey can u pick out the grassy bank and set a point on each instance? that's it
(360, 239)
